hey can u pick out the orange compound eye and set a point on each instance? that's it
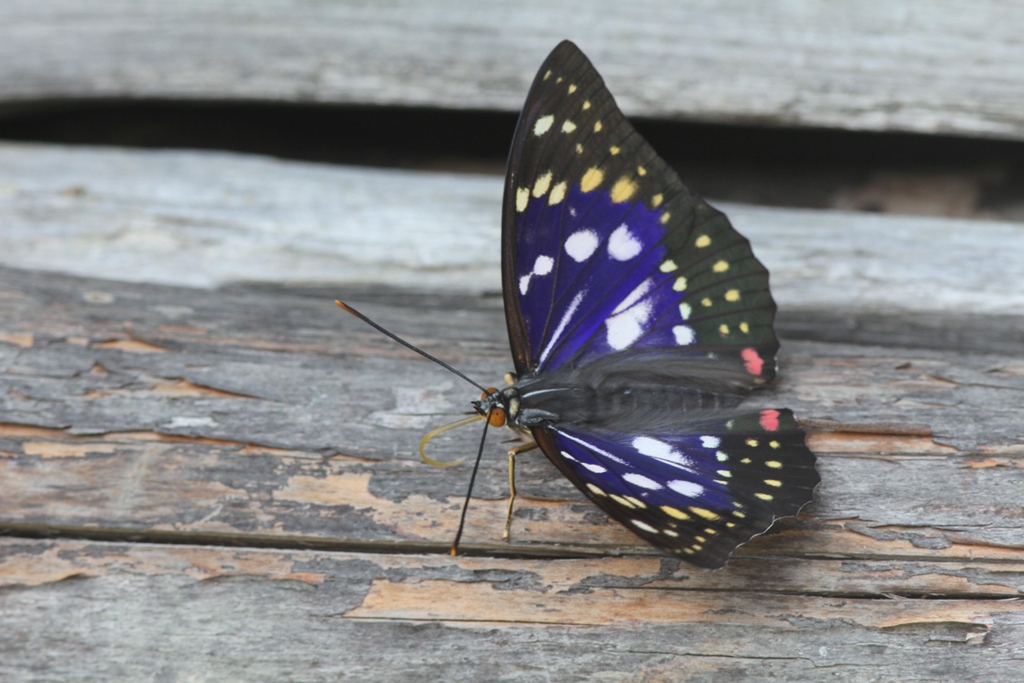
(497, 418)
(488, 392)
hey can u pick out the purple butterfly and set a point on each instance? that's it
(639, 320)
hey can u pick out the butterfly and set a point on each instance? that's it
(639, 321)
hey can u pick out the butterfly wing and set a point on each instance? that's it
(616, 276)
(605, 250)
(697, 494)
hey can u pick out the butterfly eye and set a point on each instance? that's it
(497, 418)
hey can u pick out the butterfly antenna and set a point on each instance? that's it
(349, 309)
(472, 479)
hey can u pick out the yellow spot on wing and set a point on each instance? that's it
(674, 512)
(720, 266)
(669, 532)
(668, 266)
(572, 89)
(744, 328)
(598, 127)
(679, 285)
(773, 482)
(773, 444)
(522, 198)
(764, 496)
(586, 105)
(663, 219)
(622, 501)
(543, 124)
(644, 525)
(723, 329)
(706, 302)
(623, 189)
(687, 551)
(738, 514)
(636, 501)
(732, 295)
(774, 464)
(596, 490)
(641, 170)
(656, 200)
(745, 461)
(591, 179)
(557, 193)
(752, 443)
(706, 514)
(579, 148)
(547, 75)
(614, 150)
(568, 126)
(702, 241)
(540, 187)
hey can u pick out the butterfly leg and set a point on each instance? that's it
(523, 448)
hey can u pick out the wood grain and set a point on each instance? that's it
(207, 219)
(916, 65)
(131, 610)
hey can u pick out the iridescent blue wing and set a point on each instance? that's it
(698, 494)
(623, 287)
(605, 250)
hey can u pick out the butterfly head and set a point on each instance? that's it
(499, 407)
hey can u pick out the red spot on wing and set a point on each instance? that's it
(770, 420)
(752, 360)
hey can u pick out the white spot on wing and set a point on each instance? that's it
(581, 244)
(592, 447)
(630, 318)
(710, 441)
(660, 450)
(684, 335)
(542, 266)
(634, 296)
(626, 327)
(594, 468)
(686, 488)
(622, 245)
(562, 324)
(642, 481)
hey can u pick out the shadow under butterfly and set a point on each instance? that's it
(639, 320)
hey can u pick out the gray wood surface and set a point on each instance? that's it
(206, 219)
(156, 426)
(914, 65)
(208, 472)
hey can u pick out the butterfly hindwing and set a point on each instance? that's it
(698, 494)
(604, 249)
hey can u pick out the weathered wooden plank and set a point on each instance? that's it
(116, 610)
(915, 65)
(174, 401)
(204, 219)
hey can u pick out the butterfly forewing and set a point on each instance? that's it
(604, 249)
(613, 272)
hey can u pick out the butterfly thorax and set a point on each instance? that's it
(607, 404)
